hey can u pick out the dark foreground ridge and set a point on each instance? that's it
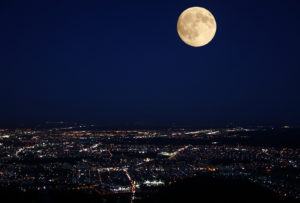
(209, 189)
(196, 189)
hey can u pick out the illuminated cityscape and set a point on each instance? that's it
(138, 162)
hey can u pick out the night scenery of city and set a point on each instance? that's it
(149, 101)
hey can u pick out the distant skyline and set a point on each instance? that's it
(122, 63)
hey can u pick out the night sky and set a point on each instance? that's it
(122, 63)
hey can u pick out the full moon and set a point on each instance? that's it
(196, 26)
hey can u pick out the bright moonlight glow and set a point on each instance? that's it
(196, 26)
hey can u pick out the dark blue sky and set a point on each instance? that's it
(122, 63)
